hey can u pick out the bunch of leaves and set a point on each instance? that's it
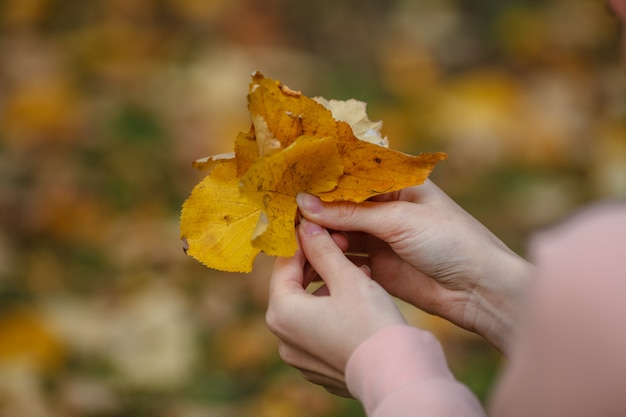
(296, 144)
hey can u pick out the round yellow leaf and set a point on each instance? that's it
(217, 225)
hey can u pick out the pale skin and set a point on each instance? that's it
(356, 308)
(419, 246)
(443, 261)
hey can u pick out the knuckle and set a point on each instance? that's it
(277, 320)
(272, 320)
(345, 210)
(287, 355)
(395, 219)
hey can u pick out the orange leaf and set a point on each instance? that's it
(371, 170)
(281, 115)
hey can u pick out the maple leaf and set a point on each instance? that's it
(247, 203)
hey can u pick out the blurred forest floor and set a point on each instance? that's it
(104, 104)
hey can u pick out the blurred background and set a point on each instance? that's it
(104, 104)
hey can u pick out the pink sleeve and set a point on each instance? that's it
(402, 371)
(569, 354)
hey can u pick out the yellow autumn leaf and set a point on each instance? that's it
(217, 225)
(309, 165)
(296, 144)
(246, 151)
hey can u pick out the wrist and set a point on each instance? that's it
(493, 307)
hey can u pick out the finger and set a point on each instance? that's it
(360, 243)
(333, 386)
(427, 190)
(340, 392)
(389, 210)
(342, 240)
(366, 270)
(361, 261)
(300, 359)
(287, 276)
(348, 216)
(325, 256)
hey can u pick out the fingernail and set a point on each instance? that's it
(310, 228)
(309, 203)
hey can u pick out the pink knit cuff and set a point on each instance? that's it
(392, 358)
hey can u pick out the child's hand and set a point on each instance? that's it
(319, 331)
(425, 249)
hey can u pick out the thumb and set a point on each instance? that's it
(287, 276)
(349, 216)
(326, 257)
